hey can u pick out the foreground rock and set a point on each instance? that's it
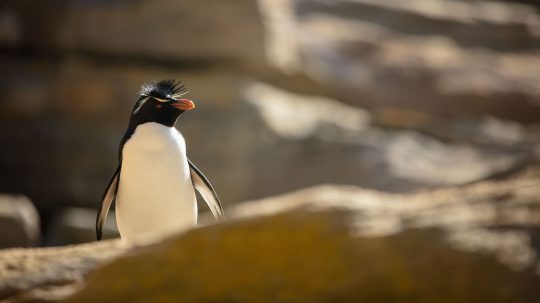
(498, 218)
(19, 222)
(328, 243)
(50, 274)
(345, 244)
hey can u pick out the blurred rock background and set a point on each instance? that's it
(395, 96)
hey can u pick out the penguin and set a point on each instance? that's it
(154, 184)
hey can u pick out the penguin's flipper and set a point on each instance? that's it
(201, 183)
(108, 197)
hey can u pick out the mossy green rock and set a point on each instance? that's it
(307, 256)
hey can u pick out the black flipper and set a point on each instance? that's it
(106, 201)
(201, 183)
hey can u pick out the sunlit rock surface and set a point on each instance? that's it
(475, 243)
(446, 57)
(302, 257)
(50, 274)
(346, 144)
(345, 244)
(501, 218)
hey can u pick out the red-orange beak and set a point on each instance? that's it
(184, 104)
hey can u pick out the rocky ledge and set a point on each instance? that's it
(476, 243)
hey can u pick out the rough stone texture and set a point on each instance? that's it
(500, 218)
(446, 57)
(307, 258)
(345, 244)
(477, 243)
(50, 274)
(19, 222)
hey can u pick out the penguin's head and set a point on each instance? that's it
(161, 102)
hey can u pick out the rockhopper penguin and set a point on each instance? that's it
(154, 183)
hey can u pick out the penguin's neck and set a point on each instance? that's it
(166, 119)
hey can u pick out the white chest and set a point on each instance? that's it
(155, 194)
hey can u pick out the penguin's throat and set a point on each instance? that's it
(167, 118)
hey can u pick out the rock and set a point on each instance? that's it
(19, 222)
(498, 218)
(486, 131)
(474, 243)
(444, 57)
(319, 140)
(346, 244)
(78, 225)
(50, 274)
(164, 31)
(295, 117)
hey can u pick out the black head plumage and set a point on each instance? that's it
(163, 89)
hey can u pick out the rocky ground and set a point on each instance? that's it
(476, 243)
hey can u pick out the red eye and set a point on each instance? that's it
(158, 106)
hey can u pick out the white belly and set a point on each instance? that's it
(155, 195)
